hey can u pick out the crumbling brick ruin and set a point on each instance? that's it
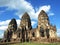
(24, 33)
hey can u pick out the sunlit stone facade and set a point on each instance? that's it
(25, 32)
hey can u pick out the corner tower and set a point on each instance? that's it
(12, 27)
(13, 24)
(43, 19)
(43, 24)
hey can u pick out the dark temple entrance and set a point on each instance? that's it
(24, 35)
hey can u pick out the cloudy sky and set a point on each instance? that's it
(16, 8)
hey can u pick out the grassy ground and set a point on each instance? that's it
(32, 43)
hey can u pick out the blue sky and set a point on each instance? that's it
(16, 8)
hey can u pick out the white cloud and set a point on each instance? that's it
(3, 27)
(6, 22)
(33, 23)
(24, 6)
(3, 24)
(46, 8)
(18, 22)
(1, 35)
(3, 2)
(50, 14)
(58, 32)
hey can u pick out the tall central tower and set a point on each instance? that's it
(25, 21)
(25, 26)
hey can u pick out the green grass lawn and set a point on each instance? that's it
(32, 43)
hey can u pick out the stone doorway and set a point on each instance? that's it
(24, 35)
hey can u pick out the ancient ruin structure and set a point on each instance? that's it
(25, 32)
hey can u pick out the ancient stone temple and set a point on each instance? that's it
(25, 32)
